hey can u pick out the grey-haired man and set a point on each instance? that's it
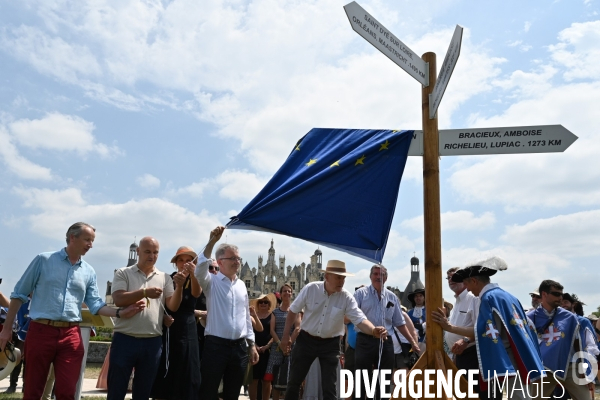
(228, 332)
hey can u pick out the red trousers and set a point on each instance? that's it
(47, 345)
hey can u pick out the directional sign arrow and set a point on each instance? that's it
(506, 140)
(379, 36)
(446, 71)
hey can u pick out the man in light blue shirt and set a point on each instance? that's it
(60, 282)
(381, 307)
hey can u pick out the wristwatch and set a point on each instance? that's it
(118, 314)
(466, 340)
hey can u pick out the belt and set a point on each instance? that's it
(227, 342)
(303, 332)
(57, 324)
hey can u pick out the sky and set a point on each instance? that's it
(165, 118)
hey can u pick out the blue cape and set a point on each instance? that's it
(556, 341)
(493, 356)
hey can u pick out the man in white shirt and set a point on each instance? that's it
(228, 332)
(324, 304)
(463, 315)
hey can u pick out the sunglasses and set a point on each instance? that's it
(264, 302)
(556, 294)
(211, 268)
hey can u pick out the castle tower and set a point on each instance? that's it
(132, 254)
(414, 283)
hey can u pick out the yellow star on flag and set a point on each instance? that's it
(298, 147)
(384, 146)
(360, 160)
(335, 164)
(311, 162)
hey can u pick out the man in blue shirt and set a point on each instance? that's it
(60, 282)
(382, 308)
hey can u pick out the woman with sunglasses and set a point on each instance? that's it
(278, 364)
(178, 375)
(264, 306)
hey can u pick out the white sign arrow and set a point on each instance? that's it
(443, 78)
(506, 140)
(379, 36)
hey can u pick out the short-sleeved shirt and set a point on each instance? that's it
(147, 323)
(60, 287)
(384, 311)
(324, 313)
(463, 315)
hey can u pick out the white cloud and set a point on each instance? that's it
(18, 164)
(314, 76)
(578, 50)
(455, 220)
(50, 54)
(148, 181)
(571, 235)
(239, 185)
(60, 132)
(230, 184)
(525, 181)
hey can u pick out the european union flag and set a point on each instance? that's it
(337, 188)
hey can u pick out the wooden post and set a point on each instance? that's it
(431, 214)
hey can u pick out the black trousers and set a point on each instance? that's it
(468, 360)
(367, 357)
(223, 358)
(305, 351)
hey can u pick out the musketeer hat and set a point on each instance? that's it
(487, 267)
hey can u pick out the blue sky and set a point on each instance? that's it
(165, 118)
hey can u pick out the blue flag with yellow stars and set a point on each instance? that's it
(337, 188)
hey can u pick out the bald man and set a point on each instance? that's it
(137, 342)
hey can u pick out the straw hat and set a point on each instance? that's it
(9, 363)
(272, 300)
(184, 250)
(337, 267)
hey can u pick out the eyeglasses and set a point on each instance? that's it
(535, 296)
(234, 259)
(556, 294)
(264, 302)
(211, 268)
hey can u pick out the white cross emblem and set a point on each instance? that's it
(517, 320)
(552, 335)
(491, 331)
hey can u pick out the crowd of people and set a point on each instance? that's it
(195, 334)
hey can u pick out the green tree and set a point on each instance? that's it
(597, 312)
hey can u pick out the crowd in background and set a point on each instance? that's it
(195, 334)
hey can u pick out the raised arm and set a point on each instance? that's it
(174, 301)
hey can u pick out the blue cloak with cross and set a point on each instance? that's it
(555, 338)
(493, 356)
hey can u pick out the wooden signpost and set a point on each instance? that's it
(531, 139)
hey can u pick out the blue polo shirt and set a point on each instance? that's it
(58, 288)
